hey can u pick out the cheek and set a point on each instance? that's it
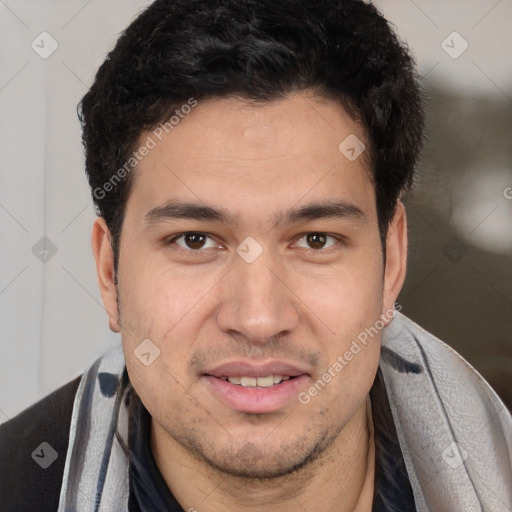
(158, 386)
(347, 300)
(346, 379)
(347, 311)
(156, 305)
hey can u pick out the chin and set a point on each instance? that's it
(253, 461)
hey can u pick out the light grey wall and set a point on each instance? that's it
(52, 322)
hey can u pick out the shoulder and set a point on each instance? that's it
(25, 483)
(454, 431)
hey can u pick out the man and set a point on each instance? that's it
(247, 160)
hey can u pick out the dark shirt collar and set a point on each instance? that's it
(392, 492)
(148, 490)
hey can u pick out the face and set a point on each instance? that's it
(250, 257)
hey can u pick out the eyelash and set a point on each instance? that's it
(337, 238)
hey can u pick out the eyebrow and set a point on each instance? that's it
(175, 210)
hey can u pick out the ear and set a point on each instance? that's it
(396, 259)
(104, 256)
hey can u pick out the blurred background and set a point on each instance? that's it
(459, 284)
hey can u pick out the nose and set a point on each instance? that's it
(257, 302)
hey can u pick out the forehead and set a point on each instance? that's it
(243, 155)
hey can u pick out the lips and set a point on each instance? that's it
(256, 388)
(244, 368)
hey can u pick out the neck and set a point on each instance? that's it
(334, 478)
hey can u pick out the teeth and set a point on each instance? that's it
(265, 382)
(248, 381)
(261, 382)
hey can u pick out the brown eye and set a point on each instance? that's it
(316, 240)
(194, 241)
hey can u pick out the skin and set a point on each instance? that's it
(203, 307)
